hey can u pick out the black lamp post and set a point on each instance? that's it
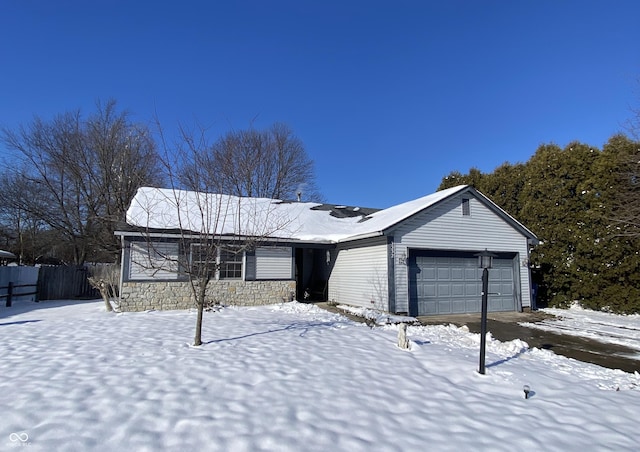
(485, 260)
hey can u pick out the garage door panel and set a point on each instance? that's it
(470, 273)
(449, 285)
(444, 290)
(473, 306)
(444, 307)
(472, 289)
(428, 307)
(500, 289)
(457, 290)
(458, 306)
(495, 287)
(499, 304)
(429, 274)
(430, 290)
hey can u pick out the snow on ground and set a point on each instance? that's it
(291, 377)
(599, 326)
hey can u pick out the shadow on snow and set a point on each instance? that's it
(303, 327)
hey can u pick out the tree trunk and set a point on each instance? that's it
(197, 341)
(104, 289)
(198, 338)
(107, 303)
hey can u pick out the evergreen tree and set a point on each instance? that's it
(618, 244)
(475, 178)
(504, 187)
(545, 196)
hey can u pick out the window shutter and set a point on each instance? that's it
(250, 266)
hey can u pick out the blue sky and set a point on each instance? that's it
(388, 97)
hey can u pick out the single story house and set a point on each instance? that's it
(415, 258)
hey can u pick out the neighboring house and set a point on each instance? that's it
(6, 257)
(416, 258)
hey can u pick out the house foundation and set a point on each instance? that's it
(165, 295)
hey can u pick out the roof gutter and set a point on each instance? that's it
(367, 235)
(194, 235)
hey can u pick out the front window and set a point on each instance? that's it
(204, 257)
(222, 262)
(230, 263)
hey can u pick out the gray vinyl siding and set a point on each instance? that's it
(444, 227)
(274, 262)
(360, 275)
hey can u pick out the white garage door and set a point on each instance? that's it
(453, 285)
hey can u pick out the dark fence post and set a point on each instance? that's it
(9, 293)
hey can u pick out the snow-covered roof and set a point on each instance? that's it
(6, 255)
(169, 209)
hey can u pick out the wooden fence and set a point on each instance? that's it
(60, 282)
(18, 291)
(18, 284)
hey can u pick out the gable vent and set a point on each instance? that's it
(466, 209)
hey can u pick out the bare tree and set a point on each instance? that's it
(624, 158)
(78, 176)
(213, 231)
(23, 232)
(105, 279)
(271, 163)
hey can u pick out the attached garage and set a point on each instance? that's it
(450, 283)
(435, 267)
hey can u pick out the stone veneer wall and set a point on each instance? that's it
(164, 295)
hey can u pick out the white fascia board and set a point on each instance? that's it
(367, 235)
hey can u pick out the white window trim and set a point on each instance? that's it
(218, 261)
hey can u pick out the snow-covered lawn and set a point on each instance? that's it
(291, 377)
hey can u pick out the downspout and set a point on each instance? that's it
(391, 275)
(532, 298)
(122, 263)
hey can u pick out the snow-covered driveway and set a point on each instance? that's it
(600, 326)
